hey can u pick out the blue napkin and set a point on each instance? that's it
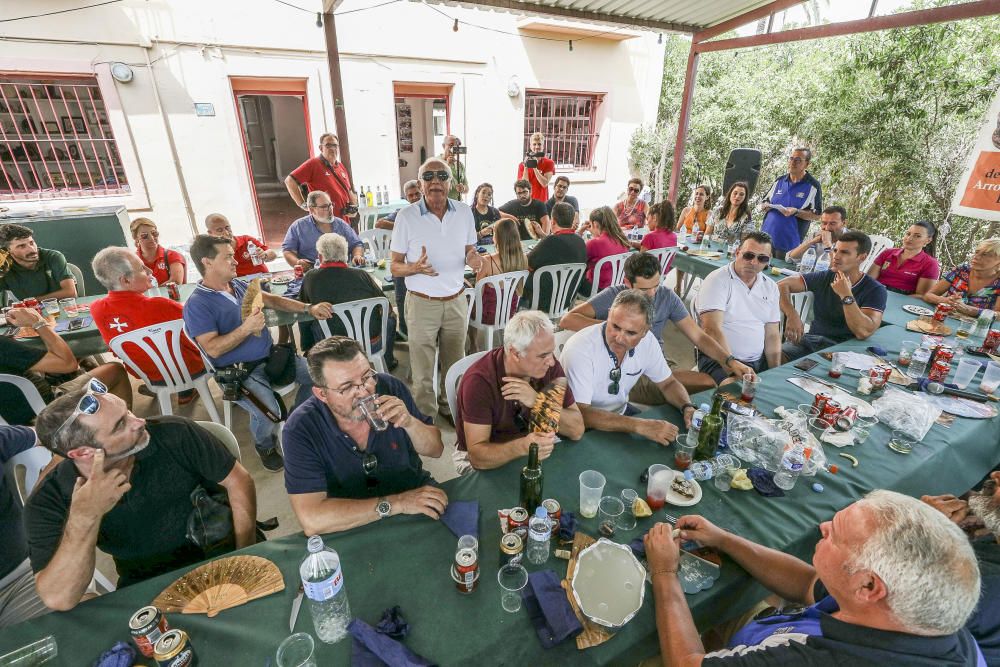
(763, 482)
(370, 648)
(567, 526)
(638, 547)
(393, 623)
(293, 289)
(877, 349)
(119, 655)
(549, 610)
(462, 517)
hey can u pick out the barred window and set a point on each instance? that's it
(569, 123)
(55, 140)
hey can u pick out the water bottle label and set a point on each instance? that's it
(326, 589)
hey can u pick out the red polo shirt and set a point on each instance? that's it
(317, 174)
(160, 266)
(538, 191)
(245, 265)
(123, 312)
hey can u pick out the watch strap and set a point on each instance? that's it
(40, 324)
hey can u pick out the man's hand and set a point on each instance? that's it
(474, 259)
(826, 238)
(739, 369)
(794, 328)
(662, 549)
(270, 255)
(304, 263)
(428, 500)
(24, 317)
(701, 530)
(255, 323)
(841, 285)
(394, 411)
(536, 228)
(657, 430)
(422, 266)
(96, 496)
(954, 508)
(688, 414)
(516, 389)
(546, 443)
(358, 259)
(321, 311)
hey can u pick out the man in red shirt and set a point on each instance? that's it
(126, 308)
(324, 172)
(246, 246)
(538, 169)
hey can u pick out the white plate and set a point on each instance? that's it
(919, 311)
(280, 280)
(677, 500)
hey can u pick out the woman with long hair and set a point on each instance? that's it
(165, 265)
(695, 213)
(484, 213)
(730, 220)
(631, 211)
(609, 239)
(660, 222)
(973, 286)
(911, 268)
(508, 256)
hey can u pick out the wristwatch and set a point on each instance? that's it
(728, 359)
(847, 300)
(39, 324)
(308, 309)
(383, 507)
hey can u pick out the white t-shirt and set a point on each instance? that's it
(417, 228)
(746, 310)
(588, 363)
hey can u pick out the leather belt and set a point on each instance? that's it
(436, 298)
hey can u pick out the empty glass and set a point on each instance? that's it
(862, 428)
(512, 578)
(467, 542)
(609, 515)
(967, 369)
(35, 653)
(297, 651)
(901, 442)
(629, 496)
(591, 488)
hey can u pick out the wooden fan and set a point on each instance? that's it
(548, 407)
(252, 300)
(221, 584)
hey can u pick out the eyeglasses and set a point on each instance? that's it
(441, 175)
(615, 376)
(750, 256)
(331, 146)
(368, 378)
(370, 464)
(145, 236)
(633, 189)
(322, 207)
(796, 159)
(88, 405)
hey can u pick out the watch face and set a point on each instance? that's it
(383, 508)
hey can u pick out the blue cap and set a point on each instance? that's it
(817, 487)
(688, 475)
(541, 513)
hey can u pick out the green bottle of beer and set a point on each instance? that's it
(711, 430)
(531, 481)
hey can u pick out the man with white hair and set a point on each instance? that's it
(299, 246)
(892, 582)
(497, 393)
(334, 282)
(434, 240)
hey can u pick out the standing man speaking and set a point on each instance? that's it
(327, 173)
(793, 202)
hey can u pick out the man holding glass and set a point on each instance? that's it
(352, 450)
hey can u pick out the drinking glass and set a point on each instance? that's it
(35, 653)
(369, 408)
(901, 442)
(609, 514)
(467, 542)
(724, 479)
(906, 349)
(862, 428)
(591, 488)
(964, 328)
(512, 578)
(297, 651)
(967, 369)
(991, 378)
(629, 496)
(69, 306)
(684, 451)
(51, 306)
(750, 384)
(660, 479)
(817, 427)
(836, 366)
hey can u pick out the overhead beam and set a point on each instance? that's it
(966, 10)
(537, 9)
(744, 18)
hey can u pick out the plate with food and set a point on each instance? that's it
(281, 279)
(683, 492)
(919, 311)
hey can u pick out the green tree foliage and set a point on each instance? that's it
(890, 117)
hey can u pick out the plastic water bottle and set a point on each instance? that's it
(702, 470)
(369, 257)
(698, 236)
(539, 536)
(918, 363)
(696, 418)
(323, 584)
(808, 260)
(792, 463)
(255, 254)
(823, 261)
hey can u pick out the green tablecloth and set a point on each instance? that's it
(405, 560)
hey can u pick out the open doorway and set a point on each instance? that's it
(273, 120)
(422, 122)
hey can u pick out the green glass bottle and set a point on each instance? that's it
(531, 481)
(711, 430)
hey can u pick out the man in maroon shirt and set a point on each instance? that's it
(324, 172)
(246, 246)
(497, 393)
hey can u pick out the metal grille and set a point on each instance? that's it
(569, 124)
(55, 140)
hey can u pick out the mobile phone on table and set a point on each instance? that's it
(806, 364)
(75, 324)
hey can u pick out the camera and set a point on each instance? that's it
(531, 159)
(230, 379)
(349, 209)
(459, 150)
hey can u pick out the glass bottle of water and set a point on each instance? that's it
(702, 470)
(323, 584)
(539, 536)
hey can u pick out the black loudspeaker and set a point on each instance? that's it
(743, 165)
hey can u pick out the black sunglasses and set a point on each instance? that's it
(520, 421)
(633, 189)
(370, 464)
(441, 175)
(615, 376)
(750, 256)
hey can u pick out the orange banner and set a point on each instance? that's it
(982, 190)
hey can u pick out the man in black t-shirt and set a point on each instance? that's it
(532, 218)
(563, 246)
(559, 196)
(151, 467)
(892, 582)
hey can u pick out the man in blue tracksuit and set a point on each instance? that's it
(793, 202)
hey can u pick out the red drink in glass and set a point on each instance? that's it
(656, 500)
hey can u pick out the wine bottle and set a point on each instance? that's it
(531, 480)
(711, 429)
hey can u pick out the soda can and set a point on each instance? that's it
(146, 626)
(879, 375)
(941, 312)
(465, 571)
(174, 649)
(554, 510)
(938, 370)
(819, 401)
(830, 411)
(298, 271)
(517, 521)
(945, 353)
(992, 342)
(173, 291)
(845, 420)
(511, 545)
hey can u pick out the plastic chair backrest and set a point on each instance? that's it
(30, 463)
(454, 377)
(803, 303)
(28, 390)
(377, 241)
(81, 286)
(666, 257)
(505, 287)
(564, 280)
(367, 217)
(357, 317)
(879, 243)
(562, 337)
(224, 435)
(162, 345)
(617, 263)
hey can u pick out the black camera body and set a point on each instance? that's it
(459, 150)
(349, 210)
(531, 159)
(231, 380)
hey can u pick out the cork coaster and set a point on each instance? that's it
(592, 634)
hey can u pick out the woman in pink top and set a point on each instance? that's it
(609, 239)
(660, 222)
(912, 268)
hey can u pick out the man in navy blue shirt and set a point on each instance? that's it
(892, 582)
(299, 246)
(340, 470)
(792, 203)
(846, 302)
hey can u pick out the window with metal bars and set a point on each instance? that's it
(569, 123)
(55, 140)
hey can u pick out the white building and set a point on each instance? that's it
(225, 98)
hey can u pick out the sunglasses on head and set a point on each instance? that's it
(615, 376)
(750, 256)
(88, 404)
(439, 175)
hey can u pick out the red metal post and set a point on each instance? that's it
(682, 121)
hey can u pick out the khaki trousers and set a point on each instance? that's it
(434, 326)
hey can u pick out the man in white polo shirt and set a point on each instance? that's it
(432, 241)
(604, 361)
(739, 308)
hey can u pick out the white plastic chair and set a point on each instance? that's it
(28, 390)
(803, 303)
(162, 345)
(357, 317)
(564, 280)
(377, 241)
(562, 337)
(367, 217)
(81, 286)
(505, 287)
(451, 381)
(224, 435)
(879, 243)
(617, 263)
(666, 257)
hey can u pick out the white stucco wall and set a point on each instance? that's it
(197, 46)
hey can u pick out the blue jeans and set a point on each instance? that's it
(263, 430)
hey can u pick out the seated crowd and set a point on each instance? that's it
(893, 580)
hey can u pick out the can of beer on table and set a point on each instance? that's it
(845, 420)
(466, 570)
(938, 370)
(298, 271)
(517, 522)
(830, 411)
(511, 545)
(819, 402)
(174, 649)
(146, 626)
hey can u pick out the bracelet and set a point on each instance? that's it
(656, 572)
(726, 361)
(38, 325)
(688, 405)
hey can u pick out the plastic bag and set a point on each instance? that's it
(908, 412)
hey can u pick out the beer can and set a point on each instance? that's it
(819, 401)
(517, 521)
(465, 571)
(173, 291)
(554, 510)
(298, 271)
(174, 649)
(511, 545)
(879, 375)
(845, 420)
(941, 312)
(938, 370)
(146, 626)
(830, 411)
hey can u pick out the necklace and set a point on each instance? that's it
(628, 212)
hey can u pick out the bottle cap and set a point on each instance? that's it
(541, 513)
(704, 406)
(688, 475)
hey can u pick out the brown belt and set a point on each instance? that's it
(436, 298)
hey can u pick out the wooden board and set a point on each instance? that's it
(592, 634)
